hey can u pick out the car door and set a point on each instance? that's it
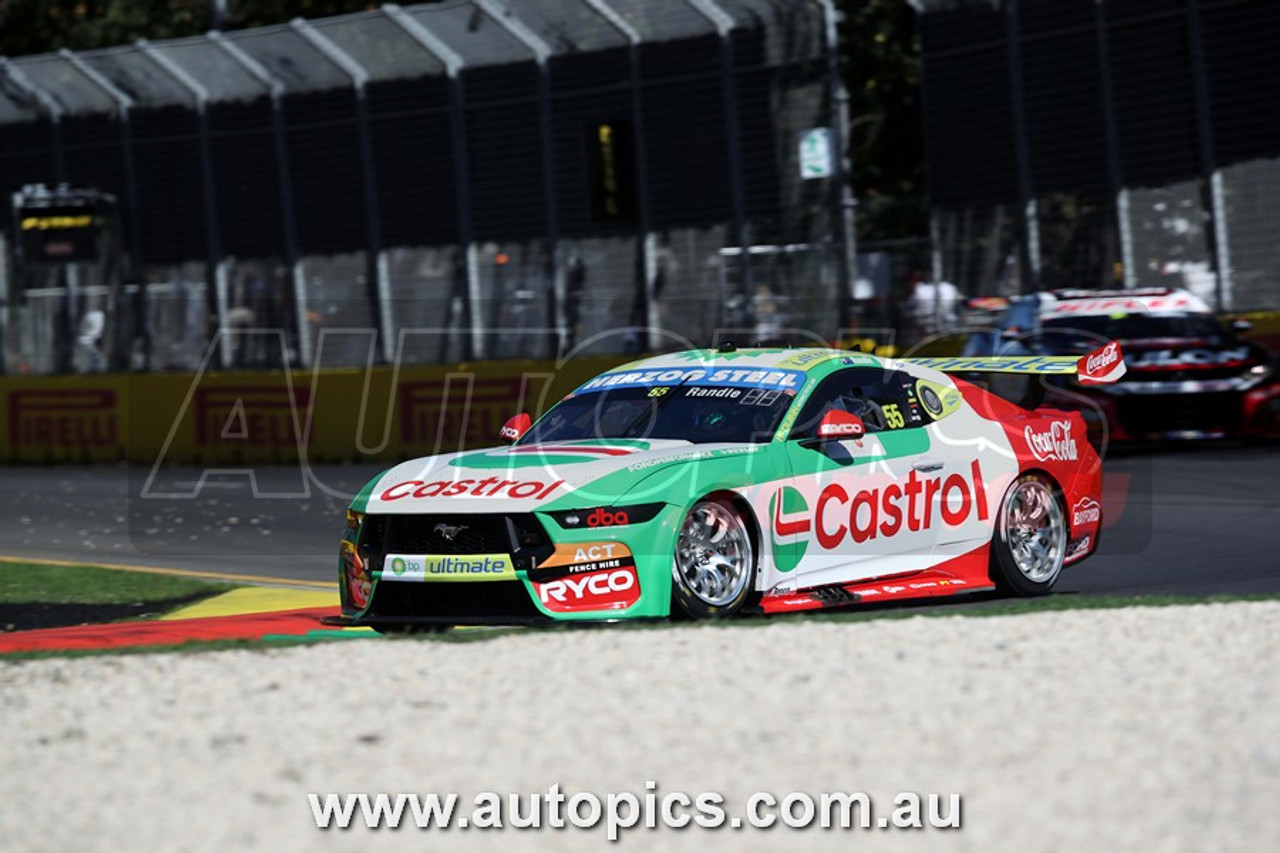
(857, 507)
(964, 449)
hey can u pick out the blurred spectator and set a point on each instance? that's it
(769, 309)
(88, 356)
(935, 306)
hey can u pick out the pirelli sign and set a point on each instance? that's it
(276, 417)
(63, 419)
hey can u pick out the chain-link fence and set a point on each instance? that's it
(525, 177)
(1089, 143)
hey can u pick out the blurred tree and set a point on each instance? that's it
(257, 13)
(881, 67)
(41, 26)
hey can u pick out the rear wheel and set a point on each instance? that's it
(714, 569)
(1030, 539)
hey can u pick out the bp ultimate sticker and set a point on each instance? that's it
(474, 567)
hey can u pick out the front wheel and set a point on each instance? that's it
(1030, 539)
(713, 573)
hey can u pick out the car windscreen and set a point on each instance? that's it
(1133, 327)
(698, 413)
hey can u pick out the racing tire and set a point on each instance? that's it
(1029, 544)
(713, 570)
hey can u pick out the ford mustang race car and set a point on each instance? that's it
(1189, 378)
(713, 482)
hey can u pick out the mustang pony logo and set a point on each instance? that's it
(449, 531)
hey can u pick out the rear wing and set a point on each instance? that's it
(1103, 365)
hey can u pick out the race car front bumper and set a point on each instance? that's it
(500, 569)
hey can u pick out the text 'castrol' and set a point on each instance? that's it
(886, 511)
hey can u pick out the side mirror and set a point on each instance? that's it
(840, 426)
(1240, 325)
(516, 427)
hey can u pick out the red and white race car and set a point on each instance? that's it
(1189, 376)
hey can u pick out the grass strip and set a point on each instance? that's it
(87, 584)
(34, 595)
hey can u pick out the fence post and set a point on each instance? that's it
(50, 106)
(55, 112)
(124, 106)
(280, 140)
(379, 290)
(555, 285)
(1220, 245)
(1026, 185)
(737, 188)
(5, 297)
(1115, 170)
(843, 200)
(467, 285)
(649, 267)
(213, 237)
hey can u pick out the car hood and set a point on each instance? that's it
(523, 478)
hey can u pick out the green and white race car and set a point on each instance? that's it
(713, 482)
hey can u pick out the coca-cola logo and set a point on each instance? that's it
(1055, 443)
(1103, 359)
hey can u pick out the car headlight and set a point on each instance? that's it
(1256, 375)
(606, 516)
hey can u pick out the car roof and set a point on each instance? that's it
(734, 366)
(1140, 300)
(764, 358)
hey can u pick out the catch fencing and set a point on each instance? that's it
(1105, 142)
(482, 166)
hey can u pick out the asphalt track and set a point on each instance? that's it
(1197, 520)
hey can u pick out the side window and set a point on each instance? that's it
(896, 397)
(884, 399)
